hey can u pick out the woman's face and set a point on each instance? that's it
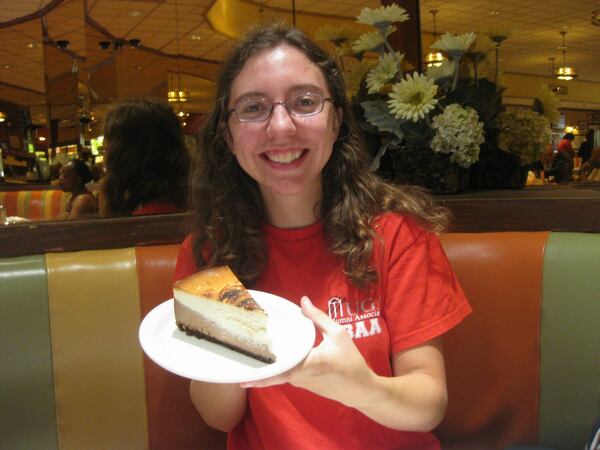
(69, 179)
(285, 154)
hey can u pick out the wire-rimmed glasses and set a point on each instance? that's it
(258, 108)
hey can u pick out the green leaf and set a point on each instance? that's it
(378, 114)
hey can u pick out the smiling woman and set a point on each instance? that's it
(301, 215)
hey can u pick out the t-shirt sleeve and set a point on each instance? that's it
(186, 264)
(423, 298)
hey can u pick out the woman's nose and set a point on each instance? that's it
(281, 121)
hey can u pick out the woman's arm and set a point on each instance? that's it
(414, 399)
(221, 406)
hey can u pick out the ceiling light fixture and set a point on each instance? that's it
(596, 17)
(434, 58)
(565, 72)
(2, 116)
(176, 94)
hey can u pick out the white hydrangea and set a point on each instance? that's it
(523, 133)
(458, 131)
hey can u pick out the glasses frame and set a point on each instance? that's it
(285, 105)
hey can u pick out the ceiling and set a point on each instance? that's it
(183, 41)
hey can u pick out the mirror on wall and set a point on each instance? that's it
(65, 63)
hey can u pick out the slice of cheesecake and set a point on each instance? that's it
(213, 304)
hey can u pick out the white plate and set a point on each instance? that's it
(292, 336)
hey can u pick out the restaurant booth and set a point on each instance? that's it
(522, 369)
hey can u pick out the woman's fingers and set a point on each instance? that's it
(321, 320)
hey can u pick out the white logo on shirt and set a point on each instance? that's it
(360, 319)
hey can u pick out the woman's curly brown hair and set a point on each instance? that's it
(228, 211)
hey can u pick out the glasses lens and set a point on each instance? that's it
(306, 104)
(253, 108)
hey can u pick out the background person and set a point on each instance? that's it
(146, 161)
(563, 160)
(81, 203)
(585, 149)
(282, 193)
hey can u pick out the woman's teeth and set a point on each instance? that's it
(284, 157)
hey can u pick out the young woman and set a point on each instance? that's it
(73, 177)
(146, 159)
(282, 193)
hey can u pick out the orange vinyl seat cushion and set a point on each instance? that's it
(492, 359)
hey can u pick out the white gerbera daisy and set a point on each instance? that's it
(384, 71)
(337, 35)
(372, 40)
(383, 16)
(413, 97)
(481, 44)
(454, 45)
(355, 76)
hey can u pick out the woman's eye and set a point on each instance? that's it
(304, 102)
(253, 107)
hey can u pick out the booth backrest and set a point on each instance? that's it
(34, 205)
(522, 369)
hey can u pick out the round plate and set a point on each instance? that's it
(292, 336)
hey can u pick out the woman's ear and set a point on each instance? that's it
(337, 123)
(226, 135)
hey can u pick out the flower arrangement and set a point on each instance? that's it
(434, 127)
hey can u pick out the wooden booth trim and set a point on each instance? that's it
(569, 209)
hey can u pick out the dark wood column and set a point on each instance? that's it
(408, 37)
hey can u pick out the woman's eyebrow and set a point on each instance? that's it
(299, 87)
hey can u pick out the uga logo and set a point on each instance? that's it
(359, 318)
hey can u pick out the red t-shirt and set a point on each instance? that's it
(565, 146)
(416, 299)
(157, 207)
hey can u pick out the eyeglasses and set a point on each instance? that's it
(259, 109)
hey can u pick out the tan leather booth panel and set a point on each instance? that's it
(98, 369)
(492, 359)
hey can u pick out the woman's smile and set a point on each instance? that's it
(284, 157)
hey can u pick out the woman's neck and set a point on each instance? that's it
(78, 191)
(292, 211)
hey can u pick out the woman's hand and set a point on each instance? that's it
(334, 369)
(414, 399)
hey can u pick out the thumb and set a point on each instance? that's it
(322, 321)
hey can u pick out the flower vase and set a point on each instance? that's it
(433, 171)
(497, 169)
